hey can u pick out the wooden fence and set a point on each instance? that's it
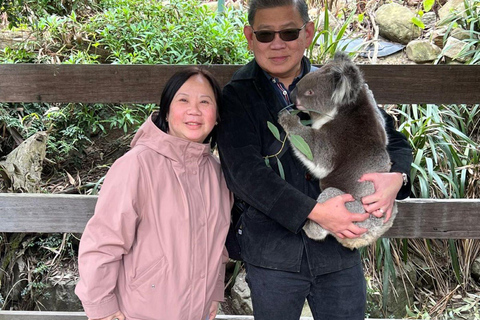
(141, 84)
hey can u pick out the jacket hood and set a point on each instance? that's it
(175, 148)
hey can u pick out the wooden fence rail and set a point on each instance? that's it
(391, 84)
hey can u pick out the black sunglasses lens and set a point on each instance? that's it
(289, 34)
(265, 36)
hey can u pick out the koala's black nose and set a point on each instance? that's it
(293, 96)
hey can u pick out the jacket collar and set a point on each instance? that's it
(172, 147)
(252, 70)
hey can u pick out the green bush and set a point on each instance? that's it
(140, 32)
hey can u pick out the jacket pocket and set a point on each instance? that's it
(148, 273)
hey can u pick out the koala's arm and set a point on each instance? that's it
(292, 125)
(400, 153)
(239, 144)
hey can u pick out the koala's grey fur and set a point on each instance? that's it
(347, 139)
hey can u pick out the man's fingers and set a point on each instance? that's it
(358, 217)
(347, 197)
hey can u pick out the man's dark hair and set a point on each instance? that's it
(171, 88)
(255, 5)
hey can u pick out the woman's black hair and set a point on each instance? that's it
(171, 88)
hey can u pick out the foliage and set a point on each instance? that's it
(142, 32)
(327, 41)
(467, 19)
(445, 158)
(21, 11)
(70, 126)
(41, 257)
(446, 145)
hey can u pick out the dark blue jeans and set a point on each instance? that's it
(280, 295)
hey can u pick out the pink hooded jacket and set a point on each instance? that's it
(154, 248)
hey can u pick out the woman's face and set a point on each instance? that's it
(193, 111)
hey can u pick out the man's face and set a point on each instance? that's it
(279, 58)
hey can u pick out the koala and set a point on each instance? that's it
(347, 139)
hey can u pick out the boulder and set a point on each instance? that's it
(449, 7)
(421, 51)
(395, 23)
(454, 47)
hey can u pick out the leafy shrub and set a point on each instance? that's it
(70, 126)
(141, 32)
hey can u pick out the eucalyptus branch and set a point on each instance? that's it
(279, 151)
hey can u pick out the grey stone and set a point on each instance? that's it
(398, 297)
(449, 7)
(453, 48)
(241, 300)
(476, 270)
(60, 296)
(421, 51)
(460, 34)
(429, 19)
(395, 23)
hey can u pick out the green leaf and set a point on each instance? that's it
(418, 23)
(274, 130)
(361, 17)
(280, 168)
(428, 4)
(267, 162)
(301, 145)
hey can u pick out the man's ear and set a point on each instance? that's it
(310, 33)
(248, 32)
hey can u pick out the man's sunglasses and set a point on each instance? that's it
(266, 36)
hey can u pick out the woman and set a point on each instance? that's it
(154, 248)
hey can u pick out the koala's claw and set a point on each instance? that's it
(288, 120)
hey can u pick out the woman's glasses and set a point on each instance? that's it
(285, 34)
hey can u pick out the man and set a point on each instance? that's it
(285, 267)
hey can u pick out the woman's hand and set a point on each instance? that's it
(213, 310)
(116, 316)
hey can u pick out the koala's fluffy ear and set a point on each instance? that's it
(347, 80)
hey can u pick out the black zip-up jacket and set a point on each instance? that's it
(272, 235)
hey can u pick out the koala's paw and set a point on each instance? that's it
(314, 231)
(288, 121)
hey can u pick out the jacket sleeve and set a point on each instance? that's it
(107, 237)
(245, 170)
(219, 291)
(400, 153)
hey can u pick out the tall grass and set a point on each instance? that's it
(445, 141)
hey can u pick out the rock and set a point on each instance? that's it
(449, 7)
(476, 270)
(241, 299)
(438, 35)
(421, 51)
(429, 19)
(454, 47)
(13, 39)
(22, 169)
(395, 23)
(460, 34)
(399, 297)
(60, 295)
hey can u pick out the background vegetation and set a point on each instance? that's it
(445, 139)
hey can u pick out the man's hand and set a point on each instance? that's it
(333, 216)
(213, 310)
(386, 186)
(117, 315)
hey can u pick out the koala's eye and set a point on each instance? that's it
(309, 92)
